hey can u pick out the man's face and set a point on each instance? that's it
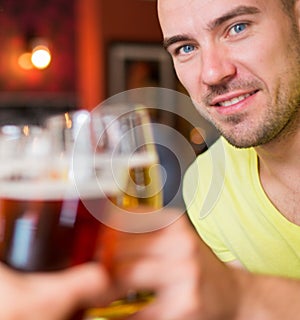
(240, 62)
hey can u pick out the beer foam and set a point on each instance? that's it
(22, 179)
(51, 179)
(116, 167)
(138, 159)
(143, 159)
(55, 190)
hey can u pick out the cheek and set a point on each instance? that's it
(269, 58)
(188, 75)
(271, 69)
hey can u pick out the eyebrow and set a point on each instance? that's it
(169, 41)
(238, 11)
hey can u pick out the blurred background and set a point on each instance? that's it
(61, 55)
(79, 35)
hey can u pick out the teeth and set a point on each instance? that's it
(232, 101)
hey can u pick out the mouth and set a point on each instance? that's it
(230, 101)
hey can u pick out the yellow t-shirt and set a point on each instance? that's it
(233, 215)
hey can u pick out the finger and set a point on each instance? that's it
(87, 282)
(69, 290)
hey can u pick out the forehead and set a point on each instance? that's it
(187, 15)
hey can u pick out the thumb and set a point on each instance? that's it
(85, 284)
(73, 289)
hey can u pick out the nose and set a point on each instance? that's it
(217, 66)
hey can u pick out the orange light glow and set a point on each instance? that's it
(68, 121)
(41, 57)
(24, 61)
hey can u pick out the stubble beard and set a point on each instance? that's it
(281, 118)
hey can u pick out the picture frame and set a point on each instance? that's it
(136, 65)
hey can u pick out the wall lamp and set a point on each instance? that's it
(39, 57)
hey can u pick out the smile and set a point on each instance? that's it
(235, 100)
(230, 102)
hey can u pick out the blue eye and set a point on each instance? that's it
(238, 28)
(187, 49)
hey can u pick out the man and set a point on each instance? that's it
(241, 68)
(239, 61)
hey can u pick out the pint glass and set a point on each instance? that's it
(46, 224)
(126, 131)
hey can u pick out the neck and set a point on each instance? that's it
(279, 172)
(280, 152)
(284, 149)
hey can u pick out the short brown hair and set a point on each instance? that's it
(288, 5)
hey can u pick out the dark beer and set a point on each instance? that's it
(46, 230)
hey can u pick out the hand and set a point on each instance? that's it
(50, 296)
(188, 280)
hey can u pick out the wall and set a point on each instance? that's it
(133, 20)
(102, 23)
(27, 95)
(80, 33)
(23, 22)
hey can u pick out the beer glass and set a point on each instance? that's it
(46, 224)
(126, 131)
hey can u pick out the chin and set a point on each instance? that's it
(239, 141)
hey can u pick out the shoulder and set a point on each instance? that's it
(205, 177)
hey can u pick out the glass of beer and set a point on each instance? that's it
(46, 223)
(126, 131)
